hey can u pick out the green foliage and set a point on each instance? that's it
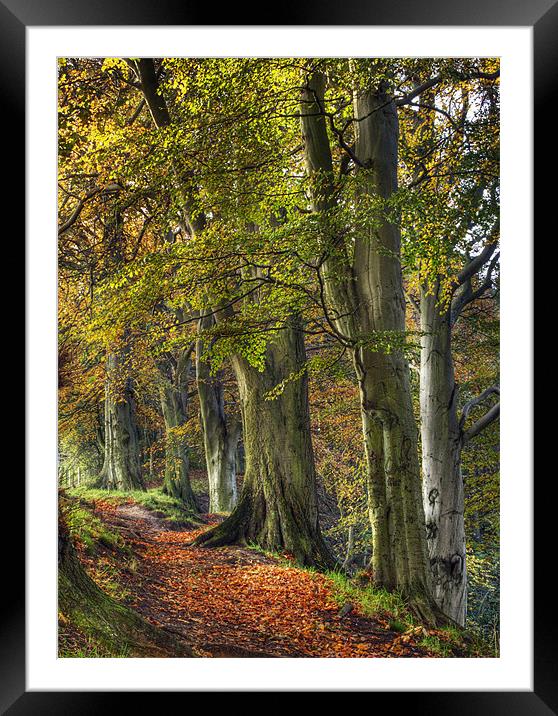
(134, 276)
(483, 596)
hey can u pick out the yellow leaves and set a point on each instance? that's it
(118, 63)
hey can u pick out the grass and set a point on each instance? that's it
(372, 602)
(447, 641)
(74, 643)
(153, 499)
(88, 530)
(437, 645)
(92, 535)
(95, 620)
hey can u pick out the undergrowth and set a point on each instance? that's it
(391, 609)
(73, 643)
(153, 499)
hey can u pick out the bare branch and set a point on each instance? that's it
(476, 263)
(484, 421)
(433, 81)
(414, 303)
(465, 294)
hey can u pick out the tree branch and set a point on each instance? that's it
(481, 423)
(476, 263)
(466, 295)
(484, 421)
(110, 189)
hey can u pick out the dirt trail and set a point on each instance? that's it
(236, 602)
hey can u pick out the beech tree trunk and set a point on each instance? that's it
(277, 507)
(174, 405)
(443, 492)
(220, 433)
(122, 466)
(363, 289)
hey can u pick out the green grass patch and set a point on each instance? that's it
(74, 643)
(153, 499)
(87, 529)
(398, 626)
(437, 646)
(371, 601)
(92, 534)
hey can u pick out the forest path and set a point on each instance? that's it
(236, 602)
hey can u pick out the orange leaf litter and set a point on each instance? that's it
(233, 601)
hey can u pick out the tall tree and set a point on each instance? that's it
(278, 504)
(364, 292)
(444, 433)
(452, 150)
(121, 467)
(174, 392)
(221, 431)
(277, 508)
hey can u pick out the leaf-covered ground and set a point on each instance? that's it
(235, 601)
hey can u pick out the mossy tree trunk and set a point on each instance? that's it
(115, 626)
(364, 302)
(277, 507)
(121, 466)
(175, 374)
(221, 432)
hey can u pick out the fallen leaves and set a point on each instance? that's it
(234, 601)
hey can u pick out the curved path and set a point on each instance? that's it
(236, 602)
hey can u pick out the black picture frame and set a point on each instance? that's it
(542, 16)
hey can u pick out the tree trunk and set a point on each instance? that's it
(121, 467)
(174, 401)
(117, 627)
(364, 292)
(443, 492)
(220, 433)
(277, 508)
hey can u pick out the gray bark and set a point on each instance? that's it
(220, 432)
(364, 295)
(174, 405)
(443, 437)
(121, 467)
(443, 493)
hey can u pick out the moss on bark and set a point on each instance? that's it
(277, 508)
(97, 615)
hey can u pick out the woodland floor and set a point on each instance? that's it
(236, 601)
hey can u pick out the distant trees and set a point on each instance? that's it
(121, 467)
(221, 428)
(174, 391)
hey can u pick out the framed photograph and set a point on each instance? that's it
(277, 278)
